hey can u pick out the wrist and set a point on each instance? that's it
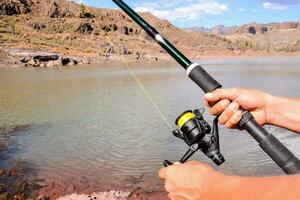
(227, 187)
(284, 112)
(272, 105)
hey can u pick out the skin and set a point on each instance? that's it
(194, 180)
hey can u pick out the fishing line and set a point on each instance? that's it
(148, 95)
(141, 86)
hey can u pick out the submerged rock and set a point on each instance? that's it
(14, 182)
(13, 129)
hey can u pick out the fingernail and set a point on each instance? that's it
(208, 95)
(237, 115)
(177, 163)
(225, 102)
(234, 105)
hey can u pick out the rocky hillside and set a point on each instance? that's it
(274, 37)
(216, 30)
(72, 29)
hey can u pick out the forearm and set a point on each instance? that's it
(269, 188)
(284, 112)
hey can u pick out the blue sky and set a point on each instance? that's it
(208, 13)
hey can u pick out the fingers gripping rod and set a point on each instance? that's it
(284, 158)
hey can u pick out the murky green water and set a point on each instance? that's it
(97, 123)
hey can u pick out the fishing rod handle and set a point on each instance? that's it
(279, 153)
(284, 158)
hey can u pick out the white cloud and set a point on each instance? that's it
(183, 12)
(274, 6)
(242, 9)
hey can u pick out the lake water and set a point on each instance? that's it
(93, 127)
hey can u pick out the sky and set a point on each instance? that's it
(209, 13)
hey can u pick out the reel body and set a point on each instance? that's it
(198, 135)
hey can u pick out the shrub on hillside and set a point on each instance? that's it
(84, 13)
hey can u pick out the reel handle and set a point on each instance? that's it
(185, 157)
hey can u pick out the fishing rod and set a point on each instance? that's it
(194, 130)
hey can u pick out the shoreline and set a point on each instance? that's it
(19, 180)
(13, 58)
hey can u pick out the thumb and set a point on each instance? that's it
(162, 173)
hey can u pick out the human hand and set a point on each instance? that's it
(226, 103)
(191, 181)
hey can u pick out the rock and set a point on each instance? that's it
(68, 61)
(230, 47)
(287, 25)
(54, 63)
(125, 30)
(32, 62)
(85, 28)
(14, 7)
(46, 58)
(48, 61)
(3, 55)
(253, 28)
(37, 25)
(111, 27)
(43, 197)
(105, 28)
(115, 49)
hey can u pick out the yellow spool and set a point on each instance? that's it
(186, 117)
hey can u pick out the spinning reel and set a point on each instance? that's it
(199, 135)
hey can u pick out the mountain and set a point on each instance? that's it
(200, 29)
(72, 29)
(273, 37)
(216, 30)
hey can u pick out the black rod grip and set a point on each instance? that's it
(203, 79)
(283, 157)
